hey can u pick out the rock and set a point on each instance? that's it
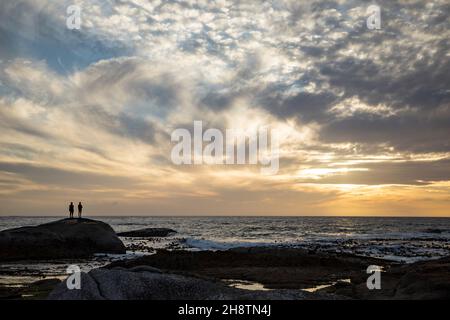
(67, 238)
(7, 293)
(428, 280)
(292, 268)
(275, 268)
(146, 269)
(89, 290)
(119, 284)
(147, 233)
(424, 280)
(436, 231)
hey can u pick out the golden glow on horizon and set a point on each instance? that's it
(298, 189)
(318, 173)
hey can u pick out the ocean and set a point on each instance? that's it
(398, 239)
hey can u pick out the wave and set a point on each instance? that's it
(203, 244)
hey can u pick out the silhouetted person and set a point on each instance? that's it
(80, 208)
(71, 209)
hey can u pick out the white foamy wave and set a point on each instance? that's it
(202, 244)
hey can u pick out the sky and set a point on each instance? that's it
(363, 115)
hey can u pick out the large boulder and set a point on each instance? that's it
(151, 284)
(67, 238)
(148, 233)
(423, 280)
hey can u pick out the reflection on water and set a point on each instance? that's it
(21, 281)
(323, 286)
(246, 285)
(250, 285)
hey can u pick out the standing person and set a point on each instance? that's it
(71, 209)
(80, 208)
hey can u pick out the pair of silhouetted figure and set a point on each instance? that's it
(71, 209)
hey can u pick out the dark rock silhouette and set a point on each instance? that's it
(423, 280)
(67, 238)
(37, 290)
(295, 268)
(147, 233)
(274, 267)
(138, 284)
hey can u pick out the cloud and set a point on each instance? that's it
(37, 30)
(99, 104)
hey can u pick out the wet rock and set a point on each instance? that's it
(147, 233)
(436, 231)
(425, 280)
(275, 268)
(293, 268)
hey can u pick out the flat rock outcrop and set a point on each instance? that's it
(342, 275)
(275, 268)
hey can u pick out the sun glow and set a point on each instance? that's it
(318, 173)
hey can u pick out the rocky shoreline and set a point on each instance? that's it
(270, 273)
(238, 273)
(341, 275)
(279, 273)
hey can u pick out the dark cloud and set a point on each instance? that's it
(306, 106)
(404, 67)
(136, 71)
(121, 124)
(136, 128)
(59, 177)
(405, 173)
(217, 101)
(18, 150)
(404, 133)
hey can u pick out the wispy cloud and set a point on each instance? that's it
(364, 114)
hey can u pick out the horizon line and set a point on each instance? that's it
(229, 216)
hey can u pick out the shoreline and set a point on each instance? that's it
(325, 261)
(385, 238)
(255, 269)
